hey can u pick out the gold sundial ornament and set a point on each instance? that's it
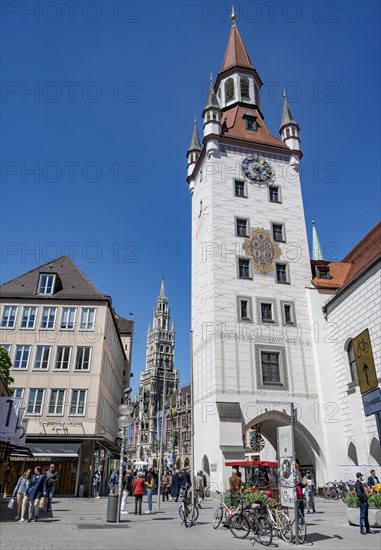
(262, 249)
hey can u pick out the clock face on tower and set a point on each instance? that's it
(256, 169)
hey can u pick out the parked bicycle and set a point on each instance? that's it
(187, 513)
(280, 523)
(222, 513)
(249, 518)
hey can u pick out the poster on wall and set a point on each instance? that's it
(12, 423)
(286, 465)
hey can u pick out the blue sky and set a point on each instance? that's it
(116, 86)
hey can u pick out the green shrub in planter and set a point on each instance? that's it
(374, 500)
(351, 500)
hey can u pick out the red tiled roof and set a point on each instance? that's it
(235, 53)
(363, 255)
(233, 125)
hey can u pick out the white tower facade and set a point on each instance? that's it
(252, 350)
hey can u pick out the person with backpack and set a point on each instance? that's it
(300, 497)
(113, 481)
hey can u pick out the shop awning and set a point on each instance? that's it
(67, 450)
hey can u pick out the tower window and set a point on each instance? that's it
(278, 232)
(240, 189)
(229, 90)
(270, 368)
(266, 313)
(282, 274)
(244, 268)
(288, 132)
(322, 272)
(352, 362)
(242, 227)
(244, 309)
(288, 314)
(245, 95)
(274, 193)
(250, 123)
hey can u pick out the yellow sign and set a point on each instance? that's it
(364, 362)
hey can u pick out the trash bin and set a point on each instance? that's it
(112, 507)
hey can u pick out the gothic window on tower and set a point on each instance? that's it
(352, 362)
(244, 271)
(282, 276)
(242, 227)
(274, 194)
(245, 95)
(250, 123)
(240, 189)
(244, 309)
(278, 232)
(229, 90)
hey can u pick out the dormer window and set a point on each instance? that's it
(250, 123)
(245, 95)
(322, 272)
(46, 283)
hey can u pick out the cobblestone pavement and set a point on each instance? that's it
(80, 524)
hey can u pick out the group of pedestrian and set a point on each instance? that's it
(34, 492)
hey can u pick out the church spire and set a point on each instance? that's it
(317, 252)
(194, 150)
(195, 141)
(289, 131)
(235, 54)
(162, 295)
(287, 117)
(212, 101)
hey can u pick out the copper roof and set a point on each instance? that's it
(233, 125)
(235, 54)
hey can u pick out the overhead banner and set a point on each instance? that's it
(286, 465)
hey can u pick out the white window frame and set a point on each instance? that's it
(60, 369)
(287, 281)
(43, 288)
(247, 299)
(50, 310)
(69, 309)
(78, 392)
(8, 317)
(81, 369)
(250, 277)
(26, 315)
(87, 325)
(25, 348)
(244, 196)
(247, 226)
(279, 194)
(42, 359)
(16, 390)
(7, 348)
(56, 392)
(283, 232)
(37, 390)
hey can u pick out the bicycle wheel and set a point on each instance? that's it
(285, 528)
(217, 518)
(263, 531)
(239, 526)
(196, 513)
(302, 529)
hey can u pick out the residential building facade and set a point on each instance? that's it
(71, 359)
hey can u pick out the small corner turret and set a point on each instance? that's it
(289, 131)
(194, 150)
(212, 120)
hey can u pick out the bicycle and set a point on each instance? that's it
(247, 519)
(185, 510)
(222, 512)
(280, 523)
(302, 528)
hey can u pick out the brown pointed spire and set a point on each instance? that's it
(235, 54)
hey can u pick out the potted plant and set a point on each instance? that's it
(374, 500)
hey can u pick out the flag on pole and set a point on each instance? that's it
(165, 427)
(158, 425)
(129, 435)
(173, 416)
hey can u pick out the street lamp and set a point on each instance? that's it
(124, 421)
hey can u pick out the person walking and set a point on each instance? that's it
(198, 487)
(186, 483)
(36, 489)
(51, 482)
(309, 484)
(362, 498)
(20, 493)
(165, 484)
(97, 481)
(299, 494)
(139, 492)
(175, 485)
(149, 483)
(113, 481)
(372, 479)
(205, 484)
